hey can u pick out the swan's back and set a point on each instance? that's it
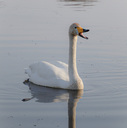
(47, 74)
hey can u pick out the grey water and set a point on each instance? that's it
(32, 31)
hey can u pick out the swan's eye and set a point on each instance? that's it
(75, 27)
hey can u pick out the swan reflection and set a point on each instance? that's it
(78, 2)
(48, 95)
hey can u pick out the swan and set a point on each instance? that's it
(60, 75)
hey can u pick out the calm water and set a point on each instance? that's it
(31, 31)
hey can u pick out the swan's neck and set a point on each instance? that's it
(72, 68)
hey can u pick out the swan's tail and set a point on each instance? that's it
(28, 71)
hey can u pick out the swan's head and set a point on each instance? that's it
(76, 29)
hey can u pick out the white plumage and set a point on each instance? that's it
(49, 74)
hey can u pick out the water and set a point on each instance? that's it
(38, 30)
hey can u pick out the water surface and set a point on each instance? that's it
(32, 31)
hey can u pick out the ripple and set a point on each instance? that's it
(104, 93)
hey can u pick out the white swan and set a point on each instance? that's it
(61, 75)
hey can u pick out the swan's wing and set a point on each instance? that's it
(48, 70)
(63, 65)
(45, 73)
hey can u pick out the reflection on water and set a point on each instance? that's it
(48, 95)
(78, 3)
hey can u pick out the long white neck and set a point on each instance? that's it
(72, 67)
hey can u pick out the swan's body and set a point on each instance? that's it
(60, 75)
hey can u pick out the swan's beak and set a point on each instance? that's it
(81, 31)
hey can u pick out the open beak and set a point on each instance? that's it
(81, 31)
